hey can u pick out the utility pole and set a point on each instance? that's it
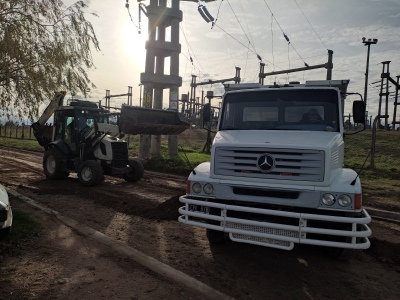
(140, 94)
(207, 146)
(368, 43)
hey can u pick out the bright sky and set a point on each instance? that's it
(245, 28)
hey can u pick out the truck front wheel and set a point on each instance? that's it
(215, 236)
(136, 171)
(341, 254)
(90, 173)
(53, 164)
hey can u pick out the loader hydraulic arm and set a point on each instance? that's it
(38, 126)
(56, 102)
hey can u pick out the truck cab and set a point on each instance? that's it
(276, 175)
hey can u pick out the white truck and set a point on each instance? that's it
(276, 175)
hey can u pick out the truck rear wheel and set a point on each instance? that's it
(90, 173)
(136, 171)
(53, 164)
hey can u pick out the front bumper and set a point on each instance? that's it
(6, 218)
(278, 228)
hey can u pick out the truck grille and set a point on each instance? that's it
(289, 164)
(120, 154)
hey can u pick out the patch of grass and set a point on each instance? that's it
(26, 144)
(190, 147)
(181, 164)
(23, 228)
(387, 152)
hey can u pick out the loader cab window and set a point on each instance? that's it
(65, 128)
(70, 122)
(69, 132)
(85, 122)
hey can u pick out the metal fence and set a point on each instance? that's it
(16, 131)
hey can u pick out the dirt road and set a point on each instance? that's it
(62, 264)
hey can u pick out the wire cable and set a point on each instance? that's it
(229, 48)
(190, 49)
(254, 52)
(284, 34)
(129, 12)
(240, 24)
(245, 65)
(216, 18)
(245, 20)
(310, 25)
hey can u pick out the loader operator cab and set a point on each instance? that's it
(73, 122)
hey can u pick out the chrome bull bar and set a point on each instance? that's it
(276, 235)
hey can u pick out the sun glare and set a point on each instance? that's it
(134, 43)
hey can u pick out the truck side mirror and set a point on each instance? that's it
(207, 112)
(359, 112)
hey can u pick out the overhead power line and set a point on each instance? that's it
(310, 25)
(240, 24)
(253, 51)
(191, 52)
(130, 16)
(225, 37)
(284, 34)
(216, 18)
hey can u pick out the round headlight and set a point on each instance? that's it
(208, 189)
(196, 187)
(328, 199)
(344, 200)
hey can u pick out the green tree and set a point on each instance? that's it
(44, 47)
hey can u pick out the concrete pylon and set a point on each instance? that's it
(161, 18)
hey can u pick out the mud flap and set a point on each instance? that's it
(140, 120)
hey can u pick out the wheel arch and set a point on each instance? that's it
(60, 145)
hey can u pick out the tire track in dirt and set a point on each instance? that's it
(134, 215)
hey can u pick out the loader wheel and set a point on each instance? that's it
(53, 165)
(136, 171)
(90, 173)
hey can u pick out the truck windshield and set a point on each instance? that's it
(283, 109)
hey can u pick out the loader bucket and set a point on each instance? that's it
(140, 120)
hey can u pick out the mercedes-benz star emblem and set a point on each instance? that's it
(265, 163)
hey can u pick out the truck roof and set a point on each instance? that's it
(340, 84)
(76, 104)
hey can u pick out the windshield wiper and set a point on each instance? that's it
(231, 128)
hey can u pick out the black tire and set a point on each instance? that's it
(90, 173)
(136, 171)
(215, 236)
(54, 165)
(341, 254)
(4, 233)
